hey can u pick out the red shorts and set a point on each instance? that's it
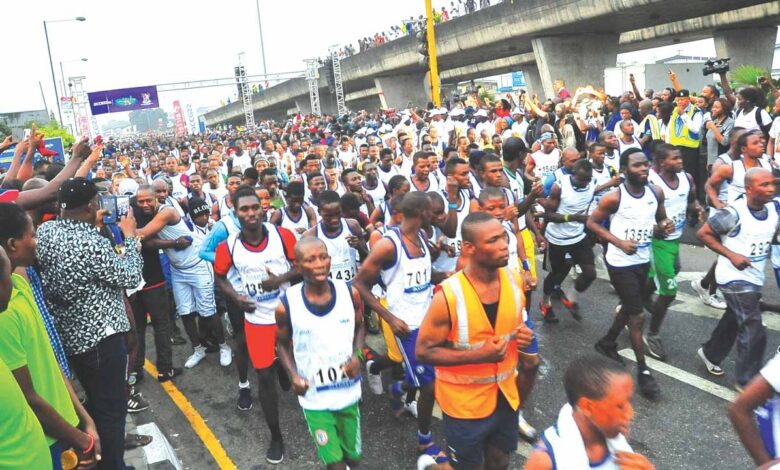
(261, 344)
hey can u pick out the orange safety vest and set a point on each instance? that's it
(470, 391)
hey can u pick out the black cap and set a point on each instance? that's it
(198, 206)
(682, 93)
(75, 193)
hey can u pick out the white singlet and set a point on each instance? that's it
(408, 281)
(444, 262)
(737, 184)
(634, 220)
(573, 201)
(546, 163)
(291, 224)
(751, 237)
(514, 261)
(187, 258)
(322, 342)
(377, 194)
(675, 200)
(613, 161)
(250, 265)
(343, 258)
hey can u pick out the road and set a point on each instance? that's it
(687, 428)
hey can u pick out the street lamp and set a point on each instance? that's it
(51, 64)
(262, 41)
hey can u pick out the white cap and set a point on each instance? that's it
(457, 112)
(481, 113)
(128, 187)
(434, 112)
(361, 131)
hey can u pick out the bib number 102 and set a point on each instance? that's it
(330, 375)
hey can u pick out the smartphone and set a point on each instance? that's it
(117, 206)
(108, 203)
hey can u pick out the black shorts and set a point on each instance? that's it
(581, 254)
(629, 283)
(467, 439)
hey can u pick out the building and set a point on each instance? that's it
(16, 121)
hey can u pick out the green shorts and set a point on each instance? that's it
(665, 266)
(336, 433)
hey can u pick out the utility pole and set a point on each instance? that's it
(432, 62)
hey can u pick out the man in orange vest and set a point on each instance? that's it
(472, 333)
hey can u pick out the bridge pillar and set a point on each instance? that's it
(533, 82)
(398, 90)
(578, 59)
(747, 46)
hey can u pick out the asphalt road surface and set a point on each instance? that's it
(686, 429)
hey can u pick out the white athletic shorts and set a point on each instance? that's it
(193, 290)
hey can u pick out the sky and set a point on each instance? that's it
(144, 42)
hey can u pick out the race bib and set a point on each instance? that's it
(330, 375)
(343, 270)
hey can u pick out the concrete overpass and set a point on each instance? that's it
(547, 39)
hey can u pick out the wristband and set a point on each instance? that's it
(566, 218)
(91, 445)
(359, 355)
(452, 205)
(526, 266)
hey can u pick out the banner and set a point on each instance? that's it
(518, 80)
(54, 144)
(124, 99)
(178, 120)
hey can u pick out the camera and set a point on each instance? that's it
(716, 66)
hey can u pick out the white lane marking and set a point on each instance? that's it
(685, 377)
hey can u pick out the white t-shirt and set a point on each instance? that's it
(241, 163)
(751, 120)
(774, 133)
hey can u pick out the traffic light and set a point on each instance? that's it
(422, 47)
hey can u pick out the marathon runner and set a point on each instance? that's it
(258, 257)
(634, 210)
(320, 336)
(225, 203)
(679, 202)
(295, 216)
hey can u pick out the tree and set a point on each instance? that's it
(51, 130)
(5, 131)
(148, 119)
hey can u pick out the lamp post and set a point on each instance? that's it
(262, 41)
(51, 63)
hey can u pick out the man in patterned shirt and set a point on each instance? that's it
(83, 280)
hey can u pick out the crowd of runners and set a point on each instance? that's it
(281, 248)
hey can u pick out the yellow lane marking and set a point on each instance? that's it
(196, 421)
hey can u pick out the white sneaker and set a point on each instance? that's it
(198, 354)
(713, 300)
(411, 408)
(527, 432)
(374, 380)
(225, 355)
(425, 461)
(713, 369)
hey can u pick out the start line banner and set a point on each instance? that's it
(124, 99)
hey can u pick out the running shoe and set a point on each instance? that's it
(654, 347)
(197, 355)
(374, 380)
(527, 432)
(648, 387)
(244, 399)
(609, 349)
(225, 355)
(708, 299)
(136, 402)
(168, 374)
(275, 452)
(713, 369)
(573, 307)
(411, 408)
(548, 316)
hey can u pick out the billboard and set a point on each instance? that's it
(53, 144)
(124, 99)
(178, 120)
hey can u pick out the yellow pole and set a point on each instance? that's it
(433, 64)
